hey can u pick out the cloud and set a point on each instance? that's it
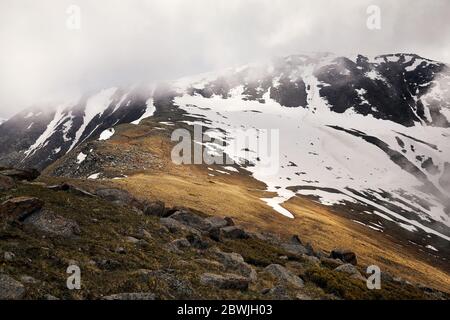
(125, 42)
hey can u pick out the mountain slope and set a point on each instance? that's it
(367, 136)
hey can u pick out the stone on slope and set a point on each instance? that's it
(10, 289)
(19, 208)
(344, 255)
(6, 183)
(226, 281)
(218, 222)
(20, 174)
(191, 220)
(233, 232)
(284, 275)
(49, 222)
(154, 208)
(350, 270)
(234, 261)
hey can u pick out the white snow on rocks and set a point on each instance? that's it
(81, 157)
(106, 134)
(148, 112)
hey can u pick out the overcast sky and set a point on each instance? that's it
(125, 42)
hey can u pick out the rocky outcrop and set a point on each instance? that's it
(19, 208)
(49, 222)
(344, 255)
(284, 275)
(226, 281)
(10, 289)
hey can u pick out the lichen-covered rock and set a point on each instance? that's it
(49, 222)
(19, 208)
(284, 275)
(226, 281)
(10, 289)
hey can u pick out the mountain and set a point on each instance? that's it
(366, 136)
(39, 135)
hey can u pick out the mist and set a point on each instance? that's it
(120, 43)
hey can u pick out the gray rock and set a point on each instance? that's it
(344, 255)
(191, 220)
(71, 188)
(197, 242)
(6, 183)
(20, 174)
(119, 197)
(50, 297)
(284, 275)
(174, 226)
(311, 259)
(350, 270)
(9, 256)
(131, 296)
(19, 208)
(234, 261)
(132, 240)
(177, 287)
(28, 280)
(331, 263)
(218, 222)
(10, 289)
(154, 208)
(49, 222)
(181, 244)
(279, 293)
(295, 246)
(233, 232)
(226, 281)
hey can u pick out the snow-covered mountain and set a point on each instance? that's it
(39, 135)
(372, 131)
(365, 132)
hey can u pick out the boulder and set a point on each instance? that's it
(154, 208)
(71, 188)
(197, 242)
(8, 256)
(10, 289)
(331, 263)
(19, 208)
(350, 270)
(234, 261)
(118, 197)
(131, 296)
(20, 174)
(284, 275)
(178, 288)
(226, 281)
(191, 219)
(344, 255)
(295, 246)
(49, 222)
(6, 183)
(181, 244)
(278, 293)
(218, 222)
(174, 226)
(233, 232)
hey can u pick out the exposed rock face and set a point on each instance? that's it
(19, 208)
(20, 174)
(284, 275)
(49, 222)
(234, 232)
(234, 261)
(344, 255)
(350, 270)
(6, 183)
(10, 289)
(154, 208)
(226, 281)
